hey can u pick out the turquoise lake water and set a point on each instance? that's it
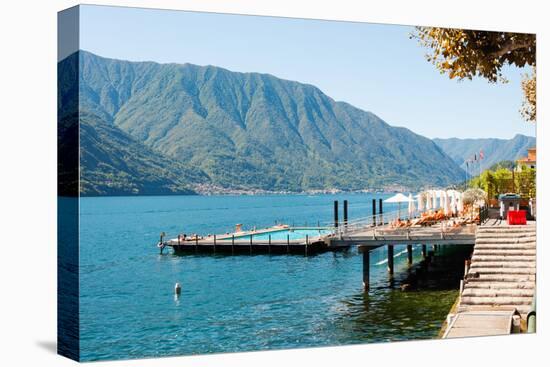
(291, 234)
(244, 302)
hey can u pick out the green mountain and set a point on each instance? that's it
(112, 162)
(241, 130)
(494, 150)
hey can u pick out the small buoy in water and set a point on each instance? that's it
(177, 289)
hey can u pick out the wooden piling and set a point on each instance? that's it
(336, 214)
(307, 240)
(374, 212)
(381, 210)
(409, 255)
(390, 259)
(424, 252)
(251, 244)
(269, 244)
(232, 243)
(214, 243)
(366, 269)
(345, 214)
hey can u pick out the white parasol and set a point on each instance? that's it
(412, 207)
(446, 203)
(460, 203)
(421, 202)
(398, 198)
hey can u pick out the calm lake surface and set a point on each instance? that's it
(239, 303)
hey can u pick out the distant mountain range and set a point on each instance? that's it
(494, 150)
(149, 128)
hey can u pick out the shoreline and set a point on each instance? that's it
(237, 194)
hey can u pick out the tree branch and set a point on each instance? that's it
(509, 47)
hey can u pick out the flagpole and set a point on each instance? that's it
(481, 156)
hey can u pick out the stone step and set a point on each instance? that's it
(518, 228)
(504, 252)
(482, 301)
(522, 309)
(512, 258)
(506, 235)
(498, 232)
(503, 264)
(489, 278)
(502, 292)
(505, 240)
(502, 271)
(500, 285)
(506, 246)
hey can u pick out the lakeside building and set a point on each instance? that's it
(529, 161)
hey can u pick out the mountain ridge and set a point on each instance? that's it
(495, 150)
(257, 131)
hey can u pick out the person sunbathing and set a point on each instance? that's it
(397, 223)
(416, 222)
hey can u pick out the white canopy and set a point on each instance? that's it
(460, 203)
(428, 200)
(398, 198)
(412, 208)
(454, 198)
(446, 203)
(420, 202)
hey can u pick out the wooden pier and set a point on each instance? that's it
(499, 281)
(253, 242)
(373, 238)
(238, 246)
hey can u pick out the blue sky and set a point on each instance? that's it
(372, 66)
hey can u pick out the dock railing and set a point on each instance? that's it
(483, 214)
(368, 222)
(379, 224)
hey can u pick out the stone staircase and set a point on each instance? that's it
(502, 272)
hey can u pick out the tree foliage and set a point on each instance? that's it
(464, 54)
(473, 196)
(502, 180)
(529, 107)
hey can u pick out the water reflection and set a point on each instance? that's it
(391, 312)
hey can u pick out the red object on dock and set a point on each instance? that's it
(517, 217)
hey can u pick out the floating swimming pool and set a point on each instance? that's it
(293, 234)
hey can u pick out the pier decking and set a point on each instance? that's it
(383, 235)
(256, 241)
(481, 323)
